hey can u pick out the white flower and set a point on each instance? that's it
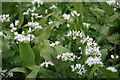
(67, 17)
(12, 25)
(4, 18)
(110, 2)
(73, 13)
(86, 25)
(54, 44)
(68, 25)
(37, 1)
(10, 74)
(36, 15)
(46, 11)
(79, 47)
(1, 33)
(34, 25)
(112, 57)
(93, 60)
(50, 22)
(53, 6)
(74, 34)
(16, 22)
(78, 68)
(45, 64)
(29, 10)
(112, 69)
(117, 56)
(67, 56)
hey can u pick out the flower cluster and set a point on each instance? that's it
(67, 56)
(45, 64)
(23, 38)
(112, 69)
(66, 16)
(74, 34)
(78, 68)
(6, 73)
(37, 1)
(93, 60)
(54, 44)
(29, 10)
(92, 50)
(34, 25)
(13, 27)
(4, 18)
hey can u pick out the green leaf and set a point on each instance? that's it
(46, 32)
(99, 11)
(61, 49)
(114, 38)
(21, 19)
(26, 54)
(107, 73)
(46, 52)
(44, 19)
(44, 73)
(18, 69)
(33, 73)
(104, 30)
(104, 53)
(112, 18)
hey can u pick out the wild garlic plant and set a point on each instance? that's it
(44, 40)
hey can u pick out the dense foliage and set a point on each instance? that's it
(60, 40)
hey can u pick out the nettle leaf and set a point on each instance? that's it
(8, 53)
(44, 73)
(112, 18)
(104, 53)
(26, 54)
(104, 30)
(107, 73)
(115, 38)
(99, 11)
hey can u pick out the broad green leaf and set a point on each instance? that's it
(46, 52)
(104, 53)
(18, 69)
(46, 32)
(26, 54)
(107, 73)
(61, 49)
(44, 73)
(33, 73)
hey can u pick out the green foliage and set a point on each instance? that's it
(98, 20)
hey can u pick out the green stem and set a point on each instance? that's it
(92, 71)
